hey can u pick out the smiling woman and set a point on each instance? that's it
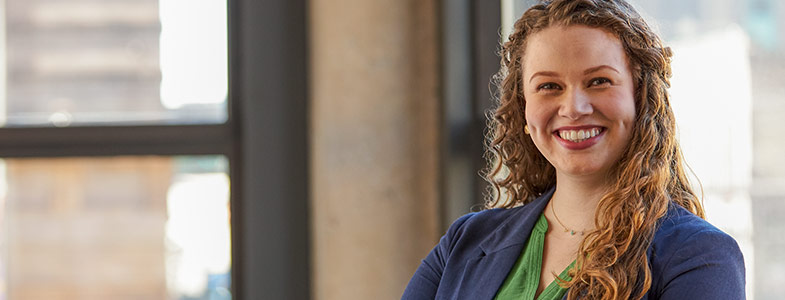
(588, 174)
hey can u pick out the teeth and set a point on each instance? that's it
(578, 136)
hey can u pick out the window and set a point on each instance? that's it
(90, 62)
(117, 150)
(128, 227)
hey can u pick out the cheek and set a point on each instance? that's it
(622, 111)
(617, 104)
(627, 109)
(535, 114)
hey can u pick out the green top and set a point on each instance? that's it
(524, 277)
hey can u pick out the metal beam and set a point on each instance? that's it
(115, 140)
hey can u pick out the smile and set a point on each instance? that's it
(577, 136)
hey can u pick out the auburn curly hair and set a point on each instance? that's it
(650, 174)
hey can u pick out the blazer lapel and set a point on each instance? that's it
(484, 274)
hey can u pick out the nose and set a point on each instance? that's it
(575, 105)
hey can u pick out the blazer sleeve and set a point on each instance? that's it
(425, 282)
(706, 265)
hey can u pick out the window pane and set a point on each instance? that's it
(122, 62)
(115, 228)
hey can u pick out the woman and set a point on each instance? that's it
(591, 197)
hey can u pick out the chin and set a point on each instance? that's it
(586, 171)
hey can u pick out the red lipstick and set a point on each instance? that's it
(582, 144)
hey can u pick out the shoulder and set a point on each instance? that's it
(688, 253)
(681, 226)
(441, 273)
(474, 227)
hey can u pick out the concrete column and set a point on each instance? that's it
(374, 144)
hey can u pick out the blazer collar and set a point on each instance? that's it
(516, 229)
(484, 274)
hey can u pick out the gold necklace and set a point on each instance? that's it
(571, 231)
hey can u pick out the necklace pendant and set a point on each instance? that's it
(572, 232)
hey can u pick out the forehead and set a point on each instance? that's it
(572, 48)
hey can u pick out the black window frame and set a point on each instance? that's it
(470, 35)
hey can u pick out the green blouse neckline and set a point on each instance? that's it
(524, 278)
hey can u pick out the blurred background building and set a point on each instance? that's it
(293, 149)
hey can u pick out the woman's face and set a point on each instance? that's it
(580, 107)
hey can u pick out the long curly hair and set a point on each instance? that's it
(650, 174)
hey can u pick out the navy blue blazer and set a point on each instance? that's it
(689, 258)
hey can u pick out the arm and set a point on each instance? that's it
(425, 282)
(708, 265)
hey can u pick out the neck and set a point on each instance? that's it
(575, 200)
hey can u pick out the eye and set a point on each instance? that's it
(548, 86)
(599, 81)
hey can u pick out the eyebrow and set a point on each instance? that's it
(597, 68)
(544, 73)
(588, 71)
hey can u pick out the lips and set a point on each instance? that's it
(580, 137)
